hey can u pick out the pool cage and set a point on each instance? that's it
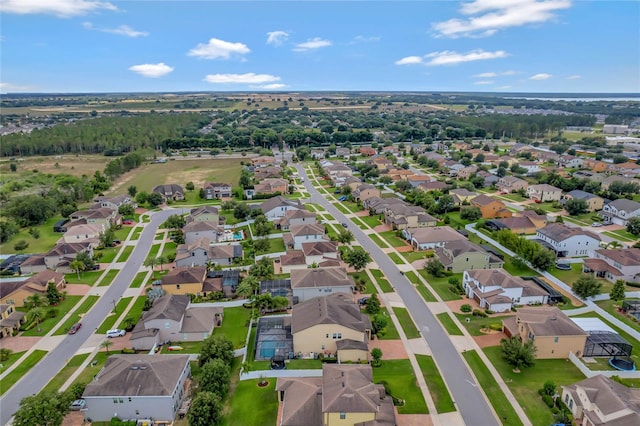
(607, 344)
(631, 307)
(273, 338)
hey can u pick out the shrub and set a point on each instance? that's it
(496, 327)
(488, 311)
(466, 308)
(52, 313)
(454, 281)
(479, 313)
(127, 351)
(547, 399)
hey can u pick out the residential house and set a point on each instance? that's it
(552, 332)
(509, 184)
(462, 196)
(352, 182)
(272, 186)
(544, 192)
(539, 220)
(625, 169)
(292, 259)
(436, 157)
(204, 214)
(10, 320)
(310, 283)
(101, 216)
(452, 167)
(489, 179)
(517, 224)
(532, 167)
(196, 254)
(343, 152)
(594, 202)
(600, 400)
(365, 191)
(367, 151)
(432, 186)
(277, 207)
(490, 207)
(568, 242)
(430, 238)
(295, 218)
(615, 264)
(189, 280)
(317, 252)
(317, 154)
(545, 156)
(225, 254)
(463, 255)
(499, 291)
(402, 216)
(319, 323)
(138, 387)
(303, 234)
(217, 190)
(466, 172)
(345, 395)
(196, 230)
(620, 211)
(399, 174)
(570, 161)
(381, 163)
(416, 179)
(16, 292)
(607, 181)
(379, 205)
(267, 172)
(113, 203)
(60, 257)
(263, 161)
(595, 166)
(170, 192)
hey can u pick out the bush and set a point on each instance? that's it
(547, 399)
(466, 308)
(479, 313)
(488, 311)
(52, 313)
(496, 327)
(127, 351)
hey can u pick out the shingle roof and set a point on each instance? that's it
(185, 275)
(203, 210)
(625, 257)
(560, 232)
(294, 257)
(316, 248)
(303, 401)
(169, 306)
(67, 248)
(548, 321)
(334, 309)
(625, 205)
(483, 200)
(307, 229)
(434, 235)
(577, 194)
(327, 277)
(278, 201)
(349, 389)
(203, 226)
(610, 397)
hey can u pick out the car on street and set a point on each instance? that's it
(116, 333)
(344, 224)
(75, 328)
(95, 267)
(596, 224)
(77, 405)
(563, 266)
(127, 222)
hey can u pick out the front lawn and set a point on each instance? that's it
(610, 307)
(10, 361)
(135, 311)
(93, 368)
(136, 234)
(441, 285)
(153, 253)
(108, 278)
(622, 234)
(378, 241)
(363, 278)
(126, 252)
(477, 324)
(106, 255)
(45, 326)
(437, 388)
(138, 280)
(393, 239)
(22, 369)
(372, 221)
(525, 385)
(77, 315)
(391, 332)
(448, 324)
(396, 259)
(382, 281)
(342, 209)
(410, 329)
(412, 256)
(88, 278)
(401, 383)
(109, 321)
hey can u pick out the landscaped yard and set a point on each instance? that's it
(88, 278)
(251, 405)
(513, 197)
(525, 384)
(138, 280)
(402, 384)
(342, 209)
(235, 325)
(124, 255)
(10, 361)
(363, 277)
(22, 369)
(391, 330)
(396, 259)
(412, 256)
(409, 327)
(437, 388)
(382, 281)
(106, 255)
(441, 285)
(570, 277)
(304, 364)
(477, 324)
(135, 312)
(610, 307)
(353, 207)
(109, 321)
(490, 386)
(63, 375)
(153, 253)
(45, 326)
(77, 315)
(108, 278)
(372, 221)
(277, 246)
(448, 324)
(393, 239)
(136, 234)
(96, 364)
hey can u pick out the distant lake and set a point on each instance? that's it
(636, 99)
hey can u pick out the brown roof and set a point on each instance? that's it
(432, 186)
(35, 260)
(316, 248)
(293, 257)
(303, 401)
(185, 275)
(334, 309)
(350, 389)
(203, 226)
(199, 319)
(599, 265)
(138, 375)
(561, 232)
(307, 229)
(484, 200)
(327, 277)
(516, 222)
(611, 397)
(548, 321)
(45, 277)
(278, 201)
(435, 235)
(496, 277)
(203, 210)
(68, 248)
(625, 257)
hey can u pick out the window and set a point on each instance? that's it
(555, 339)
(335, 335)
(343, 416)
(322, 347)
(177, 286)
(327, 335)
(129, 399)
(339, 335)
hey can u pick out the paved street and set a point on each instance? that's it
(49, 366)
(469, 399)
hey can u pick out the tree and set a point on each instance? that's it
(132, 190)
(43, 409)
(151, 262)
(249, 286)
(576, 206)
(5, 354)
(154, 199)
(263, 228)
(107, 237)
(241, 211)
(35, 301)
(215, 378)
(7, 230)
(434, 267)
(586, 286)
(357, 259)
(517, 353)
(543, 259)
(470, 213)
(37, 315)
(142, 197)
(372, 305)
(376, 354)
(445, 204)
(205, 410)
(617, 292)
(262, 269)
(77, 266)
(216, 346)
(106, 345)
(345, 236)
(189, 186)
(262, 245)
(53, 294)
(126, 210)
(13, 167)
(20, 245)
(633, 226)
(379, 323)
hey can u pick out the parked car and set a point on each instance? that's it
(337, 191)
(344, 224)
(116, 333)
(363, 300)
(343, 198)
(77, 405)
(127, 222)
(75, 328)
(563, 266)
(596, 224)
(95, 267)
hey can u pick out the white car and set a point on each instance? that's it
(596, 224)
(116, 333)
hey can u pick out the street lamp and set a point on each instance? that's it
(114, 306)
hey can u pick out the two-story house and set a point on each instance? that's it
(570, 161)
(615, 264)
(304, 234)
(170, 192)
(466, 172)
(620, 211)
(490, 207)
(195, 254)
(10, 320)
(463, 255)
(216, 190)
(343, 152)
(196, 230)
(272, 186)
(16, 293)
(319, 282)
(509, 184)
(568, 242)
(60, 257)
(101, 216)
(189, 280)
(365, 191)
(430, 238)
(294, 218)
(462, 196)
(84, 233)
(499, 291)
(403, 216)
(432, 186)
(267, 172)
(531, 167)
(225, 254)
(263, 161)
(594, 202)
(113, 203)
(204, 214)
(544, 192)
(277, 207)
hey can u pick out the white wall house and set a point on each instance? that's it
(620, 211)
(568, 242)
(499, 291)
(301, 234)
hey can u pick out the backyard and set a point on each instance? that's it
(441, 285)
(611, 307)
(570, 277)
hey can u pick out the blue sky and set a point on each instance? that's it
(166, 46)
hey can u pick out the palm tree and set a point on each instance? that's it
(106, 344)
(35, 301)
(77, 265)
(210, 265)
(37, 315)
(614, 244)
(249, 286)
(161, 261)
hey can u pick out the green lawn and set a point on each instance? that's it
(135, 311)
(77, 315)
(106, 255)
(519, 271)
(378, 241)
(43, 244)
(108, 278)
(360, 223)
(548, 207)
(382, 281)
(610, 307)
(342, 209)
(490, 387)
(353, 207)
(412, 256)
(437, 388)
(63, 375)
(277, 246)
(187, 348)
(235, 325)
(88, 278)
(138, 280)
(364, 278)
(304, 364)
(448, 324)
(477, 324)
(45, 326)
(570, 277)
(513, 197)
(372, 221)
(402, 384)
(169, 250)
(109, 321)
(622, 234)
(126, 252)
(136, 234)
(159, 236)
(153, 253)
(426, 293)
(251, 405)
(407, 323)
(90, 371)
(396, 259)
(122, 233)
(525, 385)
(441, 285)
(393, 239)
(391, 330)
(22, 369)
(9, 362)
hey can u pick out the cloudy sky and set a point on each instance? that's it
(480, 45)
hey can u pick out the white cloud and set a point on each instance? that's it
(510, 72)
(486, 75)
(574, 77)
(9, 87)
(409, 60)
(124, 30)
(362, 39)
(277, 37)
(448, 57)
(313, 43)
(504, 87)
(249, 78)
(541, 76)
(486, 17)
(217, 48)
(273, 86)
(152, 70)
(59, 8)
(484, 82)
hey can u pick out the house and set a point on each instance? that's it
(509, 184)
(378, 205)
(216, 190)
(520, 225)
(60, 257)
(82, 233)
(292, 259)
(552, 332)
(544, 192)
(10, 320)
(101, 216)
(365, 191)
(352, 182)
(531, 167)
(570, 161)
(499, 291)
(399, 174)
(452, 167)
(317, 154)
(267, 172)
(416, 180)
(367, 151)
(138, 387)
(195, 254)
(432, 186)
(303, 234)
(343, 152)
(539, 220)
(309, 283)
(317, 252)
(272, 186)
(402, 216)
(466, 172)
(615, 264)
(263, 161)
(430, 238)
(189, 280)
(170, 192)
(607, 181)
(489, 179)
(490, 207)
(620, 211)
(568, 242)
(462, 196)
(225, 254)
(277, 207)
(593, 165)
(345, 395)
(295, 218)
(196, 230)
(463, 255)
(16, 292)
(600, 400)
(319, 323)
(113, 203)
(204, 214)
(227, 279)
(594, 202)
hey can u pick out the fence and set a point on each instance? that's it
(590, 373)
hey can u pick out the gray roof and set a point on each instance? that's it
(611, 397)
(278, 201)
(560, 232)
(166, 189)
(138, 375)
(346, 344)
(203, 226)
(578, 194)
(326, 277)
(625, 257)
(225, 251)
(334, 309)
(549, 321)
(203, 210)
(303, 401)
(435, 235)
(349, 389)
(169, 306)
(625, 205)
(200, 320)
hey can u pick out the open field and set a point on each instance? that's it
(43, 244)
(75, 165)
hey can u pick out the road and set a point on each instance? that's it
(56, 359)
(472, 405)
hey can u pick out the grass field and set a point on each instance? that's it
(364, 278)
(412, 256)
(108, 278)
(382, 281)
(11, 360)
(251, 405)
(401, 383)
(396, 259)
(22, 369)
(107, 255)
(77, 315)
(610, 307)
(135, 311)
(437, 388)
(154, 251)
(378, 241)
(124, 255)
(43, 244)
(88, 278)
(441, 285)
(96, 364)
(63, 375)
(448, 324)
(235, 325)
(45, 326)
(490, 387)
(372, 221)
(393, 239)
(136, 234)
(410, 329)
(109, 321)
(477, 324)
(570, 277)
(422, 289)
(391, 330)
(138, 280)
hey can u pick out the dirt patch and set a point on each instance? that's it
(391, 349)
(455, 305)
(413, 419)
(404, 249)
(68, 164)
(20, 343)
(492, 339)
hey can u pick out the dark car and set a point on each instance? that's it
(95, 267)
(75, 327)
(363, 300)
(345, 224)
(563, 266)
